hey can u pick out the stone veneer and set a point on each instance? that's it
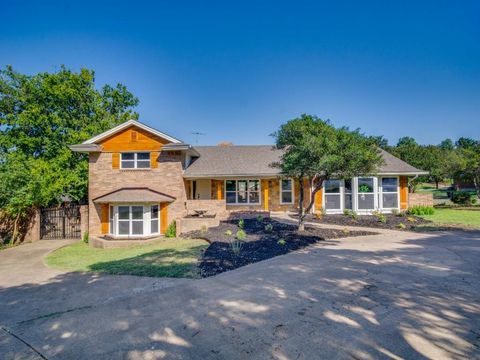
(167, 178)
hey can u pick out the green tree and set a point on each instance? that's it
(469, 162)
(314, 149)
(40, 115)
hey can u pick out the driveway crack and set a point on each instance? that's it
(31, 347)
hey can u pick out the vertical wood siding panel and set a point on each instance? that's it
(104, 218)
(403, 192)
(153, 159)
(115, 161)
(319, 200)
(266, 197)
(163, 217)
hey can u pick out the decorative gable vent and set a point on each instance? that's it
(134, 136)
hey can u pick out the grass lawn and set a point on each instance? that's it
(468, 218)
(164, 258)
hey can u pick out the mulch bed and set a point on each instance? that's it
(259, 244)
(393, 221)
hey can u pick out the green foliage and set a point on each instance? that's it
(462, 198)
(236, 245)
(228, 232)
(40, 115)
(350, 213)
(240, 235)
(421, 210)
(171, 230)
(85, 237)
(241, 223)
(268, 228)
(411, 219)
(260, 218)
(380, 217)
(364, 188)
(282, 242)
(315, 149)
(401, 226)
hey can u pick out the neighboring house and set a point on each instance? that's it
(140, 180)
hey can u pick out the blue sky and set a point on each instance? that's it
(236, 70)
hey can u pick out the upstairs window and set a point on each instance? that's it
(140, 160)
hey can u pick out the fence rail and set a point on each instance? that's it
(60, 222)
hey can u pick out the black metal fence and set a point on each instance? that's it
(60, 222)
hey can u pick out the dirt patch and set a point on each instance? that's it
(392, 222)
(264, 239)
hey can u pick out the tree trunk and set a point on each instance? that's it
(476, 182)
(15, 230)
(301, 211)
(436, 184)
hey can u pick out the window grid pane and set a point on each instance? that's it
(242, 191)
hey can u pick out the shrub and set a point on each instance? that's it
(228, 232)
(236, 245)
(268, 228)
(260, 218)
(380, 217)
(411, 219)
(282, 242)
(171, 230)
(350, 213)
(241, 235)
(401, 225)
(421, 210)
(85, 237)
(462, 198)
(241, 223)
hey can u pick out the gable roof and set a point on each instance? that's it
(255, 160)
(127, 124)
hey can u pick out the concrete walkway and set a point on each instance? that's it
(393, 295)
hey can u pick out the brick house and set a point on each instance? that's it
(140, 180)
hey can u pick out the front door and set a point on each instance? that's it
(202, 189)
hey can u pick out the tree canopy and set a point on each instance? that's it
(316, 150)
(40, 115)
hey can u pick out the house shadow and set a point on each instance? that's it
(417, 299)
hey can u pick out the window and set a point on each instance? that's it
(154, 219)
(242, 191)
(139, 160)
(348, 203)
(332, 195)
(366, 193)
(111, 221)
(389, 193)
(286, 191)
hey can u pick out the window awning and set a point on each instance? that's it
(134, 195)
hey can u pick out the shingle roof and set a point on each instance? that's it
(255, 160)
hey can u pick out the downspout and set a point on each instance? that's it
(411, 180)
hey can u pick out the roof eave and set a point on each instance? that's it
(85, 148)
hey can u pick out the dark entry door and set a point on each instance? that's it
(60, 222)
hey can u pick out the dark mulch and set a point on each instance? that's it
(259, 244)
(393, 221)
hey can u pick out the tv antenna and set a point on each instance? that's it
(197, 134)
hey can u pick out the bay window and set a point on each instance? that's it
(131, 160)
(389, 192)
(242, 191)
(286, 191)
(134, 220)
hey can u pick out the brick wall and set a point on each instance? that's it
(217, 207)
(415, 199)
(166, 178)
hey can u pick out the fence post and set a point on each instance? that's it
(83, 220)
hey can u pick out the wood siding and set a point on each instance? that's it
(403, 192)
(319, 200)
(163, 217)
(133, 139)
(104, 218)
(266, 197)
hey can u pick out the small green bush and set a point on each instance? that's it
(228, 232)
(241, 235)
(236, 246)
(241, 223)
(421, 210)
(380, 217)
(85, 237)
(268, 228)
(462, 198)
(411, 219)
(282, 242)
(260, 218)
(171, 230)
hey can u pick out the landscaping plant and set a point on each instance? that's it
(282, 242)
(421, 210)
(268, 228)
(260, 218)
(85, 237)
(228, 232)
(462, 198)
(241, 223)
(171, 230)
(240, 235)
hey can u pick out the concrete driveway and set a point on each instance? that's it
(393, 295)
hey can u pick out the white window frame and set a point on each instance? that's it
(292, 190)
(341, 194)
(152, 219)
(248, 192)
(374, 193)
(146, 220)
(380, 192)
(135, 160)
